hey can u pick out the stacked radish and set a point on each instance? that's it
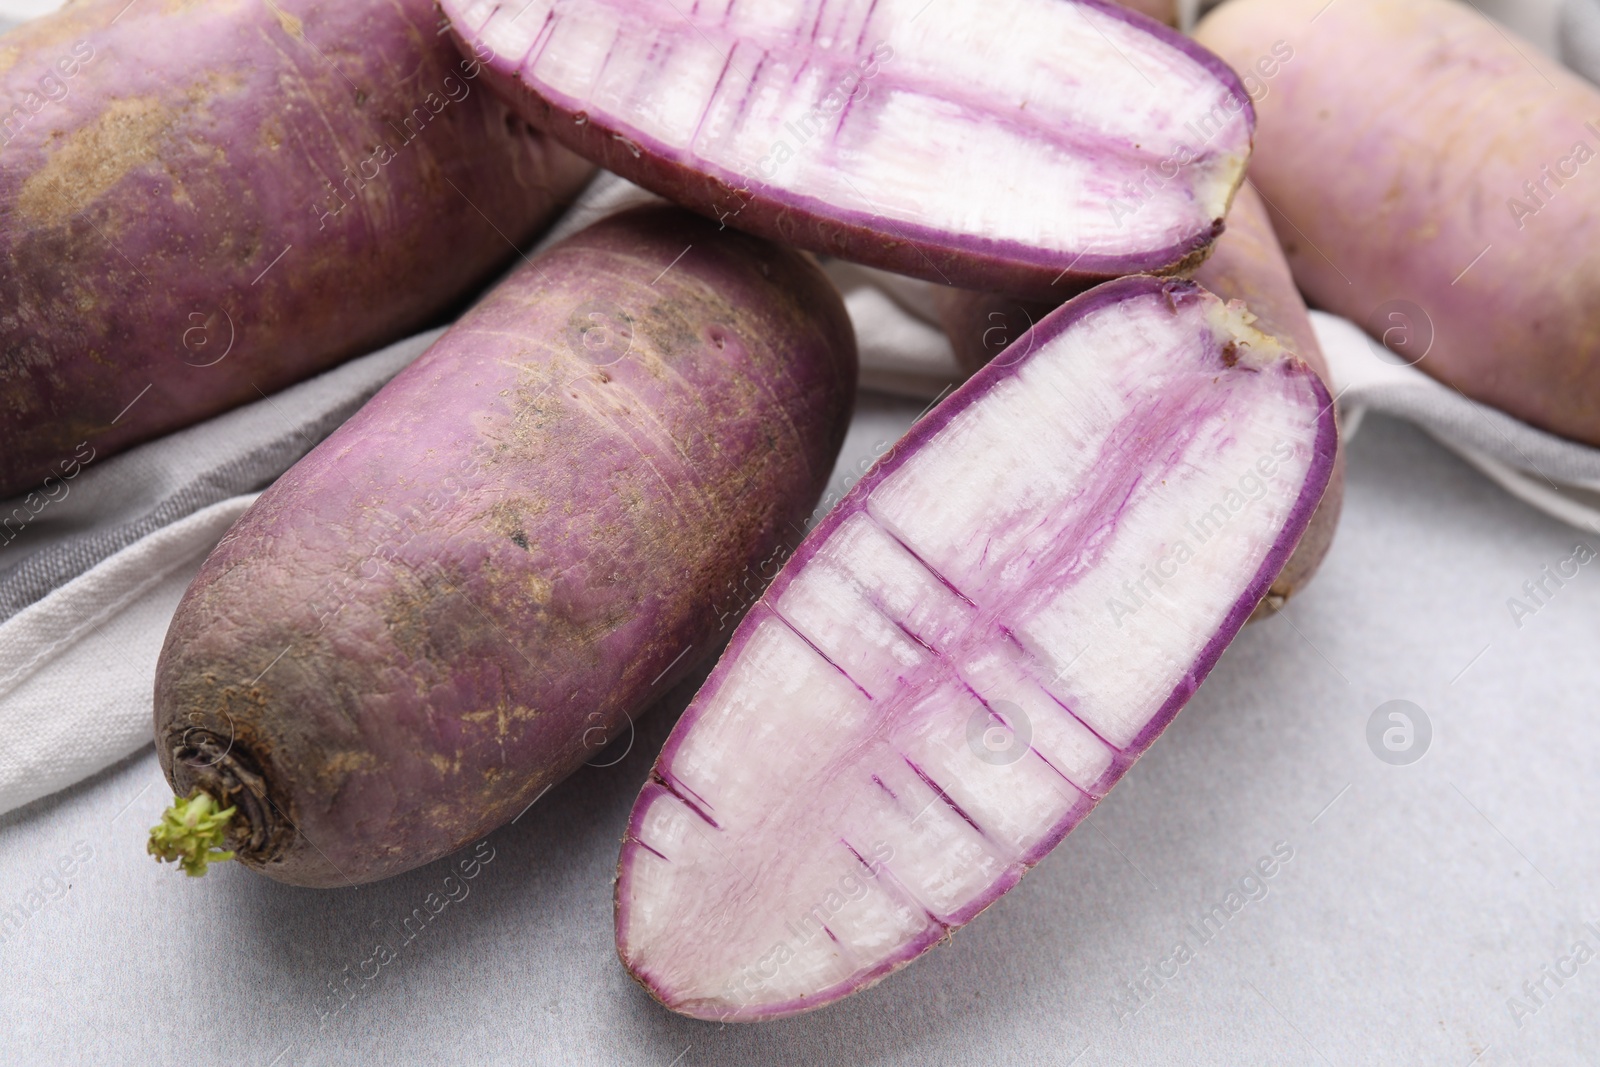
(981, 638)
(422, 625)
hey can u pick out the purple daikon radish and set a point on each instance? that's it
(1029, 147)
(498, 563)
(970, 650)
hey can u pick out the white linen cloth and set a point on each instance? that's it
(76, 666)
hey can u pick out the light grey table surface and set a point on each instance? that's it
(1418, 898)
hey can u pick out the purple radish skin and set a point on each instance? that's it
(970, 650)
(521, 542)
(220, 199)
(982, 325)
(1163, 11)
(1427, 173)
(1032, 148)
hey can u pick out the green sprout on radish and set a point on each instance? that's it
(191, 834)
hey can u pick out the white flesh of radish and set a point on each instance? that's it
(1047, 124)
(970, 656)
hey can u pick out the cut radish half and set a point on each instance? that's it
(1025, 146)
(970, 650)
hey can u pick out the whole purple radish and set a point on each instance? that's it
(477, 582)
(1029, 146)
(1429, 176)
(206, 202)
(967, 653)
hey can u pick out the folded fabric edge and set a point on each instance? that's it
(43, 630)
(258, 456)
(1530, 489)
(1547, 472)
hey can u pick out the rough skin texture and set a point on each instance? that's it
(1406, 145)
(536, 529)
(1248, 265)
(202, 203)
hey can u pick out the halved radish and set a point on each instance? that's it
(970, 650)
(1020, 146)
